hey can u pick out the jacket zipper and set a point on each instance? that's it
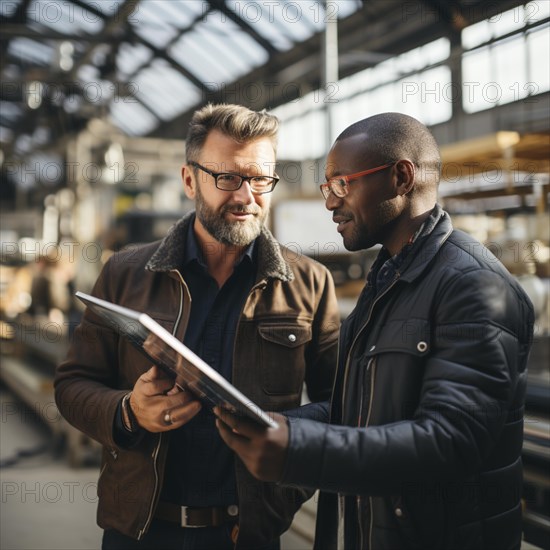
(372, 362)
(150, 515)
(371, 510)
(101, 472)
(157, 446)
(341, 498)
(346, 372)
(358, 497)
(334, 381)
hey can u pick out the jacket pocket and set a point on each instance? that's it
(410, 336)
(283, 347)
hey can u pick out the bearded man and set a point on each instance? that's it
(221, 284)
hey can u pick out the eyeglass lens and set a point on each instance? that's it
(231, 182)
(338, 186)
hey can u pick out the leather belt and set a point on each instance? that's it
(187, 516)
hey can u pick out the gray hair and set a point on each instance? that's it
(235, 121)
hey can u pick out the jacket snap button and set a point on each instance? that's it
(292, 337)
(421, 347)
(233, 510)
(399, 512)
(372, 348)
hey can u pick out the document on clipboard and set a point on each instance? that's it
(187, 369)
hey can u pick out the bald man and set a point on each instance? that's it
(423, 448)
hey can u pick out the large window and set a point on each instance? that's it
(417, 83)
(507, 57)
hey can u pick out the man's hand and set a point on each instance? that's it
(263, 450)
(159, 405)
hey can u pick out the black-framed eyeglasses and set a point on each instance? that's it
(228, 181)
(339, 185)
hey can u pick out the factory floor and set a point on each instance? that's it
(46, 505)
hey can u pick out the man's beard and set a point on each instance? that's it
(364, 237)
(238, 233)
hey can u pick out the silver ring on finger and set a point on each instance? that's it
(168, 420)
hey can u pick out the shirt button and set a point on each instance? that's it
(398, 512)
(422, 346)
(292, 338)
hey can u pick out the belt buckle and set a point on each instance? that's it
(184, 519)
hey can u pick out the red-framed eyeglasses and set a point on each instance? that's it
(339, 185)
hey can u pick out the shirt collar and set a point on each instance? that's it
(385, 266)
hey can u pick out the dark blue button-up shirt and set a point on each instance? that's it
(200, 467)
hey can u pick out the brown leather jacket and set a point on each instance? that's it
(292, 295)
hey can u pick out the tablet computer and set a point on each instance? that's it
(187, 369)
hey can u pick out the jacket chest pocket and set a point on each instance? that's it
(282, 359)
(398, 352)
(408, 336)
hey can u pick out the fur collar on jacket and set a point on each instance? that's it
(169, 255)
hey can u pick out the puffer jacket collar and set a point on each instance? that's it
(169, 255)
(426, 248)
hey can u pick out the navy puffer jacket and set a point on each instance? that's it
(439, 361)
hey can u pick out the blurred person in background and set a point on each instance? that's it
(220, 283)
(52, 289)
(423, 448)
(42, 299)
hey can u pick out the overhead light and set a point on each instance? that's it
(114, 164)
(34, 94)
(66, 50)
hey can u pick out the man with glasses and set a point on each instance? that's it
(264, 319)
(423, 449)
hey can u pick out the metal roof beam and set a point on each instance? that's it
(158, 53)
(22, 31)
(221, 6)
(116, 21)
(393, 28)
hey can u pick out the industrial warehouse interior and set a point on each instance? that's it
(96, 98)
